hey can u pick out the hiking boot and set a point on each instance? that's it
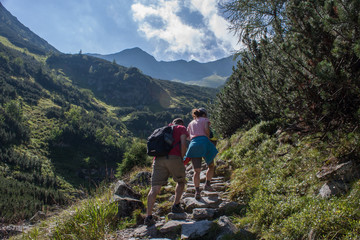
(209, 188)
(197, 195)
(149, 221)
(176, 208)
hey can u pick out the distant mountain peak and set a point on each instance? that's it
(134, 50)
(191, 72)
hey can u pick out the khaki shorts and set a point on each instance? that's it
(164, 167)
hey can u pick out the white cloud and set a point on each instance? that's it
(180, 38)
(205, 7)
(215, 22)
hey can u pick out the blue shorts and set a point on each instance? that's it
(201, 147)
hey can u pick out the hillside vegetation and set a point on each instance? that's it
(292, 118)
(67, 120)
(275, 175)
(50, 130)
(288, 118)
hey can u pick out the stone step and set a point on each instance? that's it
(190, 190)
(190, 184)
(210, 194)
(203, 194)
(219, 186)
(184, 229)
(203, 213)
(178, 216)
(204, 202)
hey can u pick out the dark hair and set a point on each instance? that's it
(203, 110)
(178, 121)
(196, 113)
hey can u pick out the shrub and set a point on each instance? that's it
(135, 156)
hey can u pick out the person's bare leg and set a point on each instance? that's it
(154, 191)
(179, 189)
(209, 175)
(210, 172)
(196, 177)
(196, 180)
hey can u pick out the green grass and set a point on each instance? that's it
(275, 176)
(7, 43)
(94, 218)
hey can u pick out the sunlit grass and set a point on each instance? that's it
(7, 43)
(277, 182)
(93, 218)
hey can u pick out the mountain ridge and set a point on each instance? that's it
(21, 36)
(190, 72)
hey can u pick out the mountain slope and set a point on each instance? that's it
(127, 87)
(188, 72)
(150, 102)
(21, 36)
(67, 120)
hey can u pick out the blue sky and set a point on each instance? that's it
(167, 29)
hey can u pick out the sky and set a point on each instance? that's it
(167, 29)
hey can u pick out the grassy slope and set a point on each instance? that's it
(30, 179)
(275, 177)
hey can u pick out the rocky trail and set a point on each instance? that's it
(206, 218)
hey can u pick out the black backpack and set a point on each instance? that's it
(159, 143)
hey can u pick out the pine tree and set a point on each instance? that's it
(306, 70)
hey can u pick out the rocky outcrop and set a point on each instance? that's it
(122, 189)
(338, 178)
(126, 199)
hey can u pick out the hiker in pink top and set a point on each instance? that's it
(200, 147)
(199, 127)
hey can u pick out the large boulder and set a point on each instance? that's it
(347, 172)
(337, 177)
(126, 205)
(226, 227)
(123, 190)
(229, 208)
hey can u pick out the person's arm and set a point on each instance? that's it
(183, 145)
(207, 129)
